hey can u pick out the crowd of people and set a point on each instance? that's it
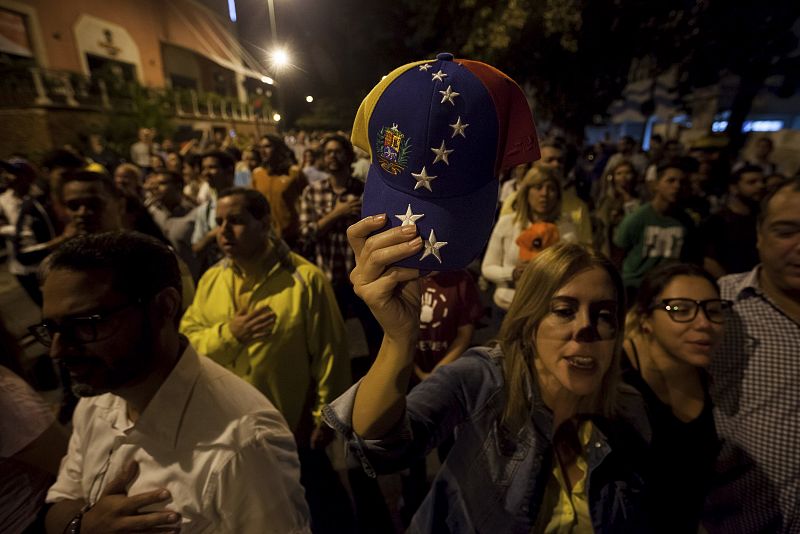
(646, 307)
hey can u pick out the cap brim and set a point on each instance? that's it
(463, 222)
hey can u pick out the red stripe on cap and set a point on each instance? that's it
(517, 142)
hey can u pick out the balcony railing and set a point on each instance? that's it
(35, 87)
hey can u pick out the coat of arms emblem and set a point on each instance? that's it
(391, 147)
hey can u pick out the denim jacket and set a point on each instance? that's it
(492, 481)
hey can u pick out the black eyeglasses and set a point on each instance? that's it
(685, 310)
(83, 329)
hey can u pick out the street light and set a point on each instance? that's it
(276, 117)
(309, 99)
(267, 80)
(279, 58)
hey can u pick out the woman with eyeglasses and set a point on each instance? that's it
(672, 331)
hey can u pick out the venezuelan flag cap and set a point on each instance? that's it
(439, 133)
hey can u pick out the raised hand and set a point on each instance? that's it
(392, 293)
(115, 511)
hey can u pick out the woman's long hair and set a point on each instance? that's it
(542, 278)
(282, 156)
(536, 175)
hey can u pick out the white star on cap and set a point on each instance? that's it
(458, 128)
(448, 95)
(438, 76)
(432, 247)
(425, 66)
(441, 153)
(423, 180)
(409, 219)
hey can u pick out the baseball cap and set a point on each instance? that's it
(439, 132)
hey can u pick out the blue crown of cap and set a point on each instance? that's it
(434, 131)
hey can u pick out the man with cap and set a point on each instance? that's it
(162, 439)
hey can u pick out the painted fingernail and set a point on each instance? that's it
(414, 243)
(408, 229)
(163, 495)
(377, 218)
(172, 518)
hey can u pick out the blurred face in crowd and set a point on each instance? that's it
(173, 162)
(241, 236)
(189, 173)
(552, 158)
(691, 342)
(750, 188)
(100, 355)
(575, 340)
(623, 178)
(625, 146)
(542, 197)
(668, 185)
(266, 149)
(91, 207)
(763, 149)
(156, 163)
(126, 180)
(336, 157)
(165, 190)
(779, 241)
(251, 158)
(672, 150)
(308, 157)
(217, 177)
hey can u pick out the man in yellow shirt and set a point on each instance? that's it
(271, 317)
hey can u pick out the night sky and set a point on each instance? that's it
(340, 48)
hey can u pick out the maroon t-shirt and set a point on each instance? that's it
(449, 300)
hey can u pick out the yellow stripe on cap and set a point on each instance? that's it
(360, 132)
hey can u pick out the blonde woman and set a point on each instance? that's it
(618, 198)
(538, 201)
(545, 438)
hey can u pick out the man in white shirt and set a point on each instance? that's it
(162, 439)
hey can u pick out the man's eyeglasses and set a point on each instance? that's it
(82, 329)
(685, 310)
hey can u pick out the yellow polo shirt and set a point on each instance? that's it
(570, 509)
(304, 363)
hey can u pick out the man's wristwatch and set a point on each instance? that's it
(74, 526)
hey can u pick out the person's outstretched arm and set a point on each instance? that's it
(392, 294)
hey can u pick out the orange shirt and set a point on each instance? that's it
(283, 194)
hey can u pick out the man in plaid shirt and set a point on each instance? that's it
(327, 208)
(755, 390)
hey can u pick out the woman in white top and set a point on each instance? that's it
(538, 201)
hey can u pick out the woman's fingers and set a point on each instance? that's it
(395, 245)
(358, 233)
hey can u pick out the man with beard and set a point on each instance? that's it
(281, 183)
(327, 208)
(730, 234)
(162, 439)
